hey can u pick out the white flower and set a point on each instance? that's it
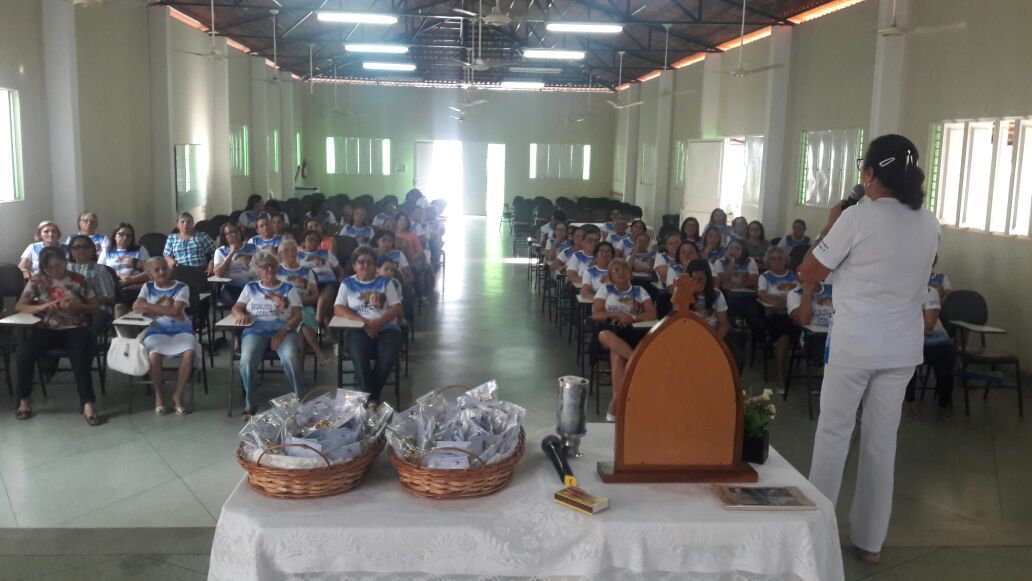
(767, 394)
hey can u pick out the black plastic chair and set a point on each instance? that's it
(11, 286)
(965, 312)
(196, 278)
(154, 242)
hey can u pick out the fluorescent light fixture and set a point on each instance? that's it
(536, 70)
(456, 109)
(377, 48)
(569, 55)
(523, 85)
(585, 27)
(357, 17)
(405, 67)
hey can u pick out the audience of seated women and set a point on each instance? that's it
(271, 309)
(303, 280)
(798, 236)
(64, 302)
(713, 243)
(88, 227)
(638, 228)
(326, 268)
(98, 277)
(272, 208)
(278, 222)
(739, 229)
(188, 247)
(617, 306)
(667, 256)
(773, 288)
(254, 209)
(610, 226)
(620, 238)
(939, 354)
(686, 253)
(564, 253)
(435, 235)
(736, 271)
(171, 334)
(547, 231)
(597, 273)
(126, 258)
(756, 244)
(359, 228)
(266, 240)
(712, 308)
(385, 250)
(559, 240)
(47, 235)
(233, 260)
(386, 213)
(374, 301)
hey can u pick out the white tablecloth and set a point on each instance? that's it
(654, 531)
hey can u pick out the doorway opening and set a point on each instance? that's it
(438, 173)
(495, 181)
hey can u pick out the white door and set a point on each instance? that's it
(424, 164)
(703, 160)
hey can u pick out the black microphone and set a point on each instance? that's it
(553, 448)
(854, 196)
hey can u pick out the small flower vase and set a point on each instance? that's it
(755, 448)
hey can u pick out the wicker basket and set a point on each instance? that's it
(308, 482)
(441, 484)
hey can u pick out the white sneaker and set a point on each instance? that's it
(610, 417)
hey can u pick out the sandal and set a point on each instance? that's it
(92, 420)
(159, 411)
(22, 414)
(181, 411)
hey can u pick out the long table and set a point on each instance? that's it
(670, 531)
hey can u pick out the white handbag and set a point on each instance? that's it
(128, 355)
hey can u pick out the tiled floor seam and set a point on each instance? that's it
(181, 476)
(875, 574)
(157, 560)
(113, 503)
(7, 495)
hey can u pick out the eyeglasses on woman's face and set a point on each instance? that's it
(81, 247)
(123, 233)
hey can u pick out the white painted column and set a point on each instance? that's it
(775, 130)
(887, 83)
(709, 109)
(286, 131)
(163, 191)
(260, 73)
(630, 184)
(220, 185)
(61, 72)
(664, 133)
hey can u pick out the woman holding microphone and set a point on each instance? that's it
(876, 336)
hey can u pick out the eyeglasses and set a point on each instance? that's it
(121, 234)
(81, 247)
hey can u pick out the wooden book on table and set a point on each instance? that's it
(680, 415)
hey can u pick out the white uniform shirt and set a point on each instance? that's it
(596, 276)
(578, 262)
(710, 315)
(777, 286)
(630, 301)
(820, 303)
(880, 254)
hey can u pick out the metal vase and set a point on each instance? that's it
(572, 419)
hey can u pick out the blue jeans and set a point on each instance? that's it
(253, 348)
(383, 349)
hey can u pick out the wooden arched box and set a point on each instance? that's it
(680, 417)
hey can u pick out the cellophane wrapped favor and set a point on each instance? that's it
(338, 425)
(439, 433)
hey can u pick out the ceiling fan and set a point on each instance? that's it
(616, 105)
(212, 53)
(741, 71)
(581, 117)
(495, 18)
(275, 79)
(893, 29)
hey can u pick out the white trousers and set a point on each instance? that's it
(881, 392)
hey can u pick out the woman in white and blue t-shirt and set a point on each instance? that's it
(171, 333)
(303, 279)
(274, 308)
(641, 257)
(374, 301)
(774, 286)
(126, 258)
(254, 209)
(597, 273)
(266, 240)
(88, 222)
(359, 228)
(666, 257)
(711, 307)
(618, 306)
(233, 260)
(738, 276)
(47, 234)
(327, 273)
(712, 244)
